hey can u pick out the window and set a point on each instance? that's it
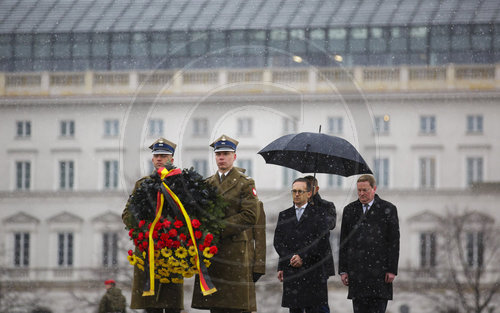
(67, 128)
(200, 127)
(418, 38)
(110, 174)
(440, 38)
(119, 44)
(245, 126)
(23, 128)
(289, 126)
(475, 124)
(381, 169)
(337, 40)
(382, 125)
(159, 44)
(278, 41)
(109, 249)
(66, 175)
(475, 249)
(358, 37)
(139, 45)
(335, 125)
(399, 39)
(62, 46)
(297, 43)
(21, 249)
(335, 181)
(474, 170)
(23, 175)
(289, 176)
(378, 40)
(247, 165)
(155, 128)
(427, 124)
(427, 168)
(427, 250)
(201, 166)
(65, 249)
(111, 128)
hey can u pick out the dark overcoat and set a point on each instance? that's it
(304, 286)
(166, 295)
(369, 248)
(326, 211)
(231, 268)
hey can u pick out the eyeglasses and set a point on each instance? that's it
(298, 191)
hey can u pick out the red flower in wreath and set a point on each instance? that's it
(198, 234)
(213, 250)
(172, 232)
(178, 224)
(208, 239)
(182, 237)
(195, 223)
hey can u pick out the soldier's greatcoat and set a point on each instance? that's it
(231, 269)
(166, 295)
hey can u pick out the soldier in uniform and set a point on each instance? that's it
(168, 298)
(231, 269)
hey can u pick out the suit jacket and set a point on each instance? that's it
(231, 269)
(369, 248)
(304, 286)
(326, 210)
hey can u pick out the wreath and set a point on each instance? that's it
(175, 255)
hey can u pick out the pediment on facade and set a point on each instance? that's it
(65, 217)
(425, 217)
(21, 218)
(108, 217)
(478, 218)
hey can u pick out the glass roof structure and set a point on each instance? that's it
(47, 16)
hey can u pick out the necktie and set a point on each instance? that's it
(222, 177)
(365, 208)
(299, 212)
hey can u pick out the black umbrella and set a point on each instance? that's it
(315, 153)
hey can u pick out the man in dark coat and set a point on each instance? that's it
(326, 211)
(168, 298)
(369, 248)
(298, 242)
(231, 269)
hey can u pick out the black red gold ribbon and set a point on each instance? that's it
(206, 284)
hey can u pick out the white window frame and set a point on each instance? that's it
(23, 180)
(23, 129)
(245, 126)
(200, 127)
(381, 126)
(21, 258)
(427, 172)
(67, 128)
(335, 125)
(428, 125)
(289, 125)
(69, 178)
(66, 257)
(155, 127)
(474, 124)
(474, 170)
(428, 249)
(111, 170)
(111, 128)
(335, 181)
(382, 170)
(110, 249)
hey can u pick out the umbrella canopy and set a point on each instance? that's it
(315, 153)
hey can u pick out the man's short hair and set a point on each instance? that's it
(368, 178)
(304, 180)
(313, 180)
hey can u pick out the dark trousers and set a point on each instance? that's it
(324, 309)
(155, 310)
(311, 309)
(369, 305)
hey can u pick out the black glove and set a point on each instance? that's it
(256, 277)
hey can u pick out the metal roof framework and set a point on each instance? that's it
(60, 16)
